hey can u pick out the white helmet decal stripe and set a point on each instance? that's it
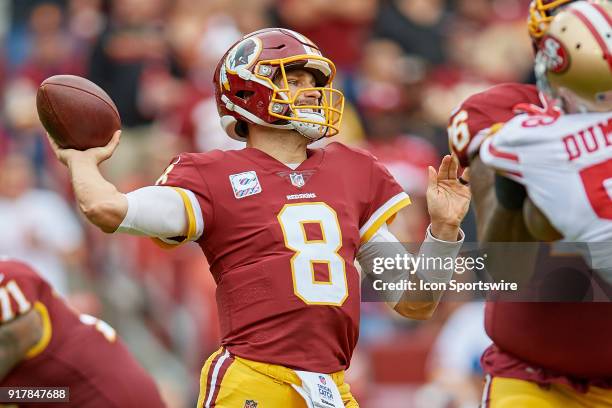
(597, 21)
(607, 24)
(308, 49)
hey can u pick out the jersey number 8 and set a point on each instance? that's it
(292, 219)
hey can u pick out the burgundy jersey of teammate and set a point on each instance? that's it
(281, 245)
(541, 342)
(470, 122)
(567, 343)
(550, 342)
(75, 351)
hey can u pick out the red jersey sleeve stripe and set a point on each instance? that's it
(504, 162)
(502, 155)
(514, 173)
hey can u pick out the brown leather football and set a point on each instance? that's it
(77, 113)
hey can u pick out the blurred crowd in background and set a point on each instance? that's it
(403, 66)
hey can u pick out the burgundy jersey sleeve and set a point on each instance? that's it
(470, 122)
(20, 289)
(385, 197)
(185, 174)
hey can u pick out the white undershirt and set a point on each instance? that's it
(155, 211)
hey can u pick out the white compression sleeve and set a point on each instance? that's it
(385, 245)
(159, 211)
(433, 247)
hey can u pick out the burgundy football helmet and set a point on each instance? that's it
(246, 87)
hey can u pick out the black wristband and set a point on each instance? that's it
(509, 193)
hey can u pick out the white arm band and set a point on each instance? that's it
(385, 245)
(162, 212)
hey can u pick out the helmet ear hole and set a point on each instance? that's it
(244, 95)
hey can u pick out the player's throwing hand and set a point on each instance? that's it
(96, 154)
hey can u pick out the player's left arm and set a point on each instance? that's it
(447, 201)
(501, 219)
(499, 206)
(413, 303)
(17, 337)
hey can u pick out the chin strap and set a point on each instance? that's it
(311, 131)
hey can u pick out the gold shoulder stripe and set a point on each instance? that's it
(495, 128)
(387, 216)
(47, 332)
(192, 228)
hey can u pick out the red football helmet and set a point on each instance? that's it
(246, 87)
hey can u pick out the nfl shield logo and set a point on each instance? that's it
(322, 379)
(297, 179)
(250, 404)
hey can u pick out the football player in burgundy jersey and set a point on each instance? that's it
(46, 343)
(529, 363)
(281, 225)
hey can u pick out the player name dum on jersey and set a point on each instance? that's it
(588, 141)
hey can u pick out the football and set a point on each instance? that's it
(76, 113)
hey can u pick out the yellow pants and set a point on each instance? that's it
(232, 382)
(503, 392)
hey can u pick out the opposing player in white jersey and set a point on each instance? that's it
(544, 354)
(563, 157)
